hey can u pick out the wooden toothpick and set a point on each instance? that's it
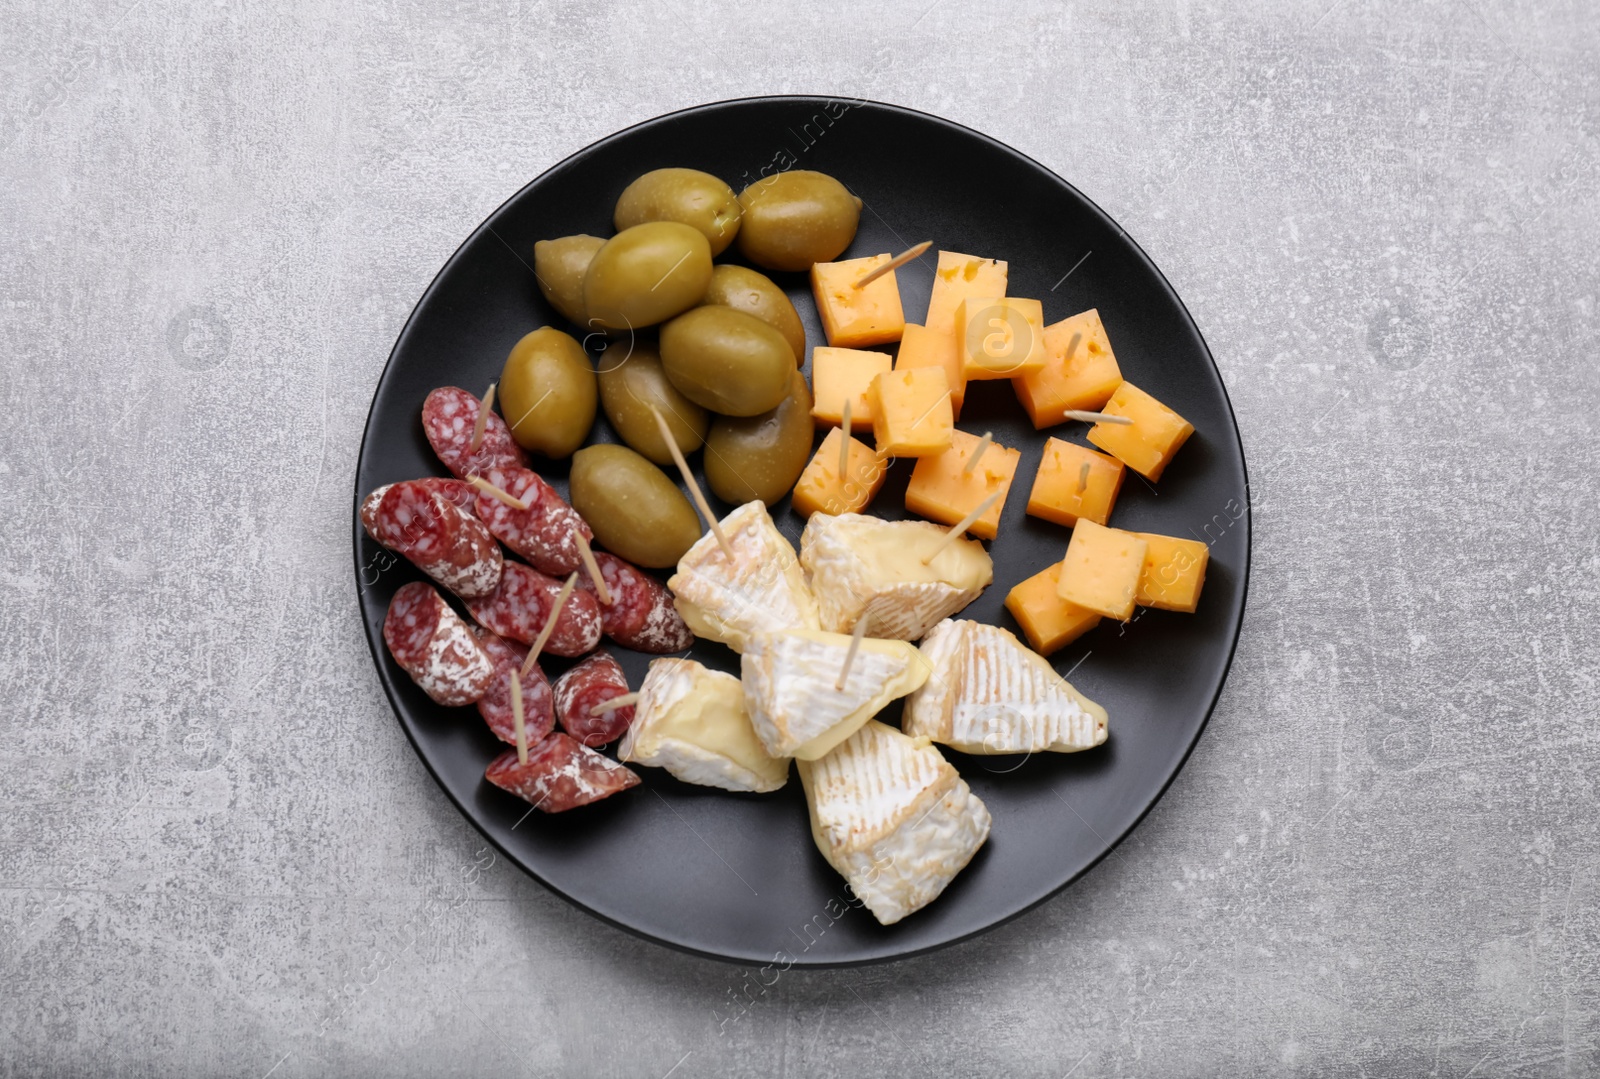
(1072, 346)
(585, 552)
(894, 263)
(1096, 417)
(983, 444)
(549, 623)
(961, 526)
(496, 493)
(482, 422)
(694, 487)
(517, 719)
(850, 656)
(614, 703)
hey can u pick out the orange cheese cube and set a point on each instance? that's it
(1000, 337)
(924, 347)
(855, 317)
(955, 279)
(942, 490)
(1147, 444)
(1080, 370)
(1072, 482)
(911, 414)
(1101, 569)
(1049, 622)
(822, 489)
(841, 374)
(1173, 574)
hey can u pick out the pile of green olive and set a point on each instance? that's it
(715, 349)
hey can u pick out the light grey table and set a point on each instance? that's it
(219, 855)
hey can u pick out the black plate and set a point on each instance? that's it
(737, 876)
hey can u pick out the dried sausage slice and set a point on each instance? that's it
(562, 773)
(448, 416)
(435, 647)
(538, 713)
(588, 685)
(447, 544)
(518, 609)
(641, 614)
(546, 532)
(459, 493)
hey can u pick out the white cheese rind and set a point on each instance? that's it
(692, 721)
(893, 818)
(864, 567)
(762, 591)
(989, 693)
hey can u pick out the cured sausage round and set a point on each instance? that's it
(538, 713)
(562, 773)
(519, 607)
(435, 647)
(449, 545)
(641, 614)
(587, 686)
(459, 493)
(546, 533)
(448, 417)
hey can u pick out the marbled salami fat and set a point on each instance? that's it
(459, 493)
(519, 607)
(538, 712)
(591, 683)
(562, 773)
(449, 545)
(435, 647)
(641, 614)
(546, 532)
(448, 416)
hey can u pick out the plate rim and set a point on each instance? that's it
(486, 225)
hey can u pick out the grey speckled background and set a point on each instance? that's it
(218, 854)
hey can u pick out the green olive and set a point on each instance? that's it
(631, 384)
(761, 456)
(646, 274)
(796, 218)
(695, 198)
(547, 392)
(559, 267)
(636, 512)
(726, 360)
(756, 294)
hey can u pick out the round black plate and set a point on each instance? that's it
(737, 876)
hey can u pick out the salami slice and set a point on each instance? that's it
(459, 493)
(449, 545)
(435, 647)
(562, 773)
(641, 614)
(519, 607)
(448, 416)
(538, 713)
(588, 685)
(546, 533)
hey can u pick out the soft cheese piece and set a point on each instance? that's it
(891, 815)
(864, 567)
(760, 591)
(990, 693)
(791, 687)
(692, 721)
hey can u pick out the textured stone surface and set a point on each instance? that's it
(218, 855)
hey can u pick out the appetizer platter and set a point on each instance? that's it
(808, 556)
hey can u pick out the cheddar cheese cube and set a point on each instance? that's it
(855, 317)
(1049, 622)
(822, 489)
(922, 346)
(1000, 337)
(1174, 572)
(841, 374)
(1101, 569)
(1148, 443)
(1072, 482)
(1080, 371)
(956, 278)
(911, 414)
(942, 490)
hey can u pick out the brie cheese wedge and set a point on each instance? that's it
(797, 704)
(990, 693)
(864, 567)
(692, 721)
(760, 590)
(891, 815)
